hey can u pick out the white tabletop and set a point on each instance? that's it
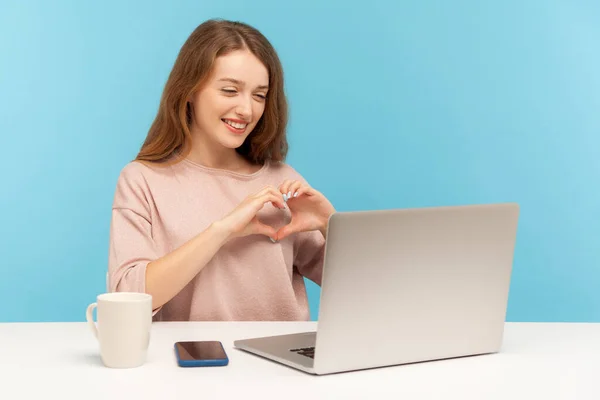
(538, 361)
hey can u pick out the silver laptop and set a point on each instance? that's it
(404, 286)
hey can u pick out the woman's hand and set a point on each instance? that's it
(310, 209)
(242, 220)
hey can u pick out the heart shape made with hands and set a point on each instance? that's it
(309, 211)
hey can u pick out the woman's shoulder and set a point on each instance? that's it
(283, 168)
(134, 171)
(138, 180)
(142, 177)
(142, 170)
(284, 171)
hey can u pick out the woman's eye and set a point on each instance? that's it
(230, 91)
(261, 96)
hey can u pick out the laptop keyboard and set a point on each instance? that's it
(305, 351)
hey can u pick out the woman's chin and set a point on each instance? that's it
(232, 143)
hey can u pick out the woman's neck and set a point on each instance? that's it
(225, 159)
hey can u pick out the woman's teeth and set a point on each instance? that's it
(236, 125)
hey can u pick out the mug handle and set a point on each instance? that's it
(90, 318)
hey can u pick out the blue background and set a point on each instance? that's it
(392, 105)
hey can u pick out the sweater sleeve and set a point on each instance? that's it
(309, 255)
(309, 247)
(131, 247)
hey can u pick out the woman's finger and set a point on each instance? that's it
(304, 191)
(273, 198)
(284, 188)
(266, 189)
(293, 189)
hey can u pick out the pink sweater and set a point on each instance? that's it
(157, 209)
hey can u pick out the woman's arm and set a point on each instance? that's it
(134, 264)
(168, 275)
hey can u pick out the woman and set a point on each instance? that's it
(208, 218)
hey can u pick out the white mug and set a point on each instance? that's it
(123, 331)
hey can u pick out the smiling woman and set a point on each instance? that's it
(194, 212)
(260, 93)
(236, 104)
(227, 68)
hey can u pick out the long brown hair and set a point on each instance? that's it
(170, 131)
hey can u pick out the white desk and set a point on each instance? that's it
(538, 361)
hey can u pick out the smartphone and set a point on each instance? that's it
(201, 354)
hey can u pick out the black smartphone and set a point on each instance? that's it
(201, 354)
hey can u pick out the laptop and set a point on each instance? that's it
(403, 286)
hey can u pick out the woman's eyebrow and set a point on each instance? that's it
(238, 82)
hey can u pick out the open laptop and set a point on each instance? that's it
(403, 286)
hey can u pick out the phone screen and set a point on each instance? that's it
(209, 350)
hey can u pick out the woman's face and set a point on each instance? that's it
(228, 107)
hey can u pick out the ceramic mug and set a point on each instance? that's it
(123, 327)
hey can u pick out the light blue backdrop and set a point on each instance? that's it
(392, 105)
